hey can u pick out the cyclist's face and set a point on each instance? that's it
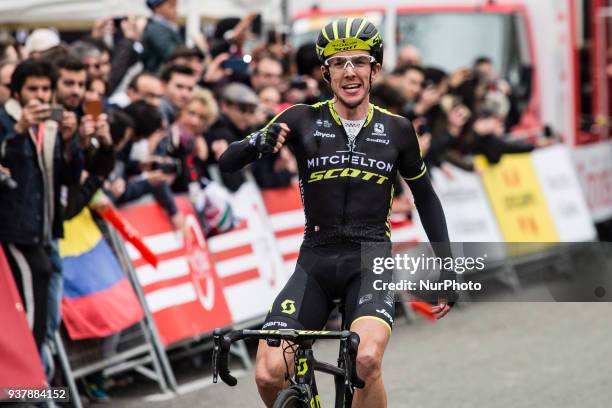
(350, 81)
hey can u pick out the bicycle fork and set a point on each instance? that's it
(304, 377)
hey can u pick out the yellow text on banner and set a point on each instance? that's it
(517, 199)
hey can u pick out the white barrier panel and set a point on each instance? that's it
(249, 257)
(563, 194)
(594, 167)
(466, 206)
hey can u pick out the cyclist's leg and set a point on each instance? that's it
(370, 312)
(374, 337)
(302, 304)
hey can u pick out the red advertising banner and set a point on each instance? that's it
(20, 365)
(184, 292)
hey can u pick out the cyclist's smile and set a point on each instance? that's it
(352, 88)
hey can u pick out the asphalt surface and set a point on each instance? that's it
(503, 354)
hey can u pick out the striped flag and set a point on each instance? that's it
(98, 299)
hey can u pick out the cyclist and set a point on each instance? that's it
(348, 152)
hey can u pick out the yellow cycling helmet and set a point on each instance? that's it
(348, 33)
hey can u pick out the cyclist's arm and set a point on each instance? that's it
(413, 170)
(238, 155)
(243, 152)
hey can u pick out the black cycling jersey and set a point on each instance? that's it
(347, 188)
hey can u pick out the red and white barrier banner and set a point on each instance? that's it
(248, 258)
(20, 365)
(184, 293)
(563, 194)
(594, 167)
(286, 215)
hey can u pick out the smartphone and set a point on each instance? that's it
(257, 25)
(93, 108)
(57, 113)
(236, 64)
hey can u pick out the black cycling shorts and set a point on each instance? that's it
(329, 272)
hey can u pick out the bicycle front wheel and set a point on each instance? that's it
(289, 398)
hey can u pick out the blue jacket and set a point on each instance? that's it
(32, 213)
(159, 40)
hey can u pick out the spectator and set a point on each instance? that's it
(270, 99)
(89, 55)
(302, 89)
(277, 46)
(489, 138)
(6, 70)
(141, 169)
(40, 41)
(238, 106)
(266, 72)
(72, 76)
(230, 35)
(189, 57)
(188, 144)
(410, 55)
(179, 82)
(27, 230)
(408, 79)
(95, 90)
(127, 53)
(449, 146)
(483, 67)
(427, 106)
(161, 34)
(143, 87)
(104, 59)
(307, 63)
(8, 51)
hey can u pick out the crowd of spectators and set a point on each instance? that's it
(131, 110)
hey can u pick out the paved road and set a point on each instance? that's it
(485, 354)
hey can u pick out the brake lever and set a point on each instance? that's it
(353, 346)
(215, 356)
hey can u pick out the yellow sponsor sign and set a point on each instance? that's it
(517, 199)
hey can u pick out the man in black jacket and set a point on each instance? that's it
(38, 147)
(238, 105)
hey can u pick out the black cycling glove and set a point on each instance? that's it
(264, 140)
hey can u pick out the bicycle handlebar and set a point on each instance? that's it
(223, 339)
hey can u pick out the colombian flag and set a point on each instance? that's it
(98, 299)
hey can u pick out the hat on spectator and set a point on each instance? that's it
(153, 4)
(240, 94)
(41, 40)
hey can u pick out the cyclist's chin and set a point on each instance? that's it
(352, 101)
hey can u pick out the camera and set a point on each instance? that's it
(7, 182)
(57, 113)
(168, 167)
